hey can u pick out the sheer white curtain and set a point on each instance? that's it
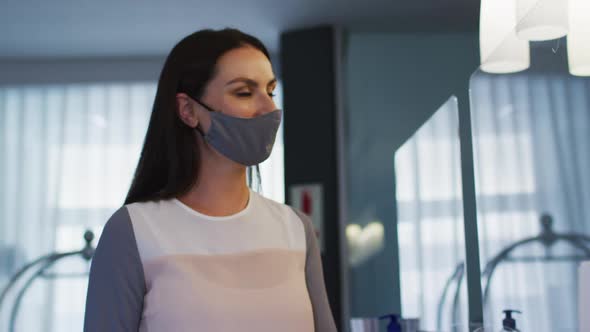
(67, 155)
(531, 134)
(272, 171)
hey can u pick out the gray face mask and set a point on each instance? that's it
(247, 141)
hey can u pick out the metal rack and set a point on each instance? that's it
(548, 238)
(38, 268)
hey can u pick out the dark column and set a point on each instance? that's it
(308, 71)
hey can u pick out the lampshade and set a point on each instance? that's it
(578, 38)
(541, 19)
(500, 49)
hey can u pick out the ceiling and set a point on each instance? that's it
(82, 28)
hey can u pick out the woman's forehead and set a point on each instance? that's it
(245, 62)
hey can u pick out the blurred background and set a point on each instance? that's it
(440, 147)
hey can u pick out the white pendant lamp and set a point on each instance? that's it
(540, 20)
(501, 51)
(578, 38)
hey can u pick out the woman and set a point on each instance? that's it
(194, 249)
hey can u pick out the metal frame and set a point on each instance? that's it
(40, 266)
(548, 238)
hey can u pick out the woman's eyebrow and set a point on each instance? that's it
(249, 81)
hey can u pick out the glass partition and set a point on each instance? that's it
(404, 211)
(430, 223)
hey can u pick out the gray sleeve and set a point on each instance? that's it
(116, 286)
(314, 276)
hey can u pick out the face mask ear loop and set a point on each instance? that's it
(202, 104)
(198, 127)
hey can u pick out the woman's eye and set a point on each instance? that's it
(249, 94)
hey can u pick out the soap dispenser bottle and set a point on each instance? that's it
(393, 325)
(509, 324)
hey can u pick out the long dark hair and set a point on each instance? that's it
(170, 158)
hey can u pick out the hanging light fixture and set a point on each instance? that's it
(578, 39)
(501, 51)
(540, 20)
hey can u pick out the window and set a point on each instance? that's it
(68, 156)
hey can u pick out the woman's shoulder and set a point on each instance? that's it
(148, 210)
(274, 206)
(289, 214)
(117, 234)
(150, 204)
(133, 218)
(118, 220)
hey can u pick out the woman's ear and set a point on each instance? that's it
(185, 108)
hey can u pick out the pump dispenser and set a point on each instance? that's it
(393, 325)
(509, 324)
